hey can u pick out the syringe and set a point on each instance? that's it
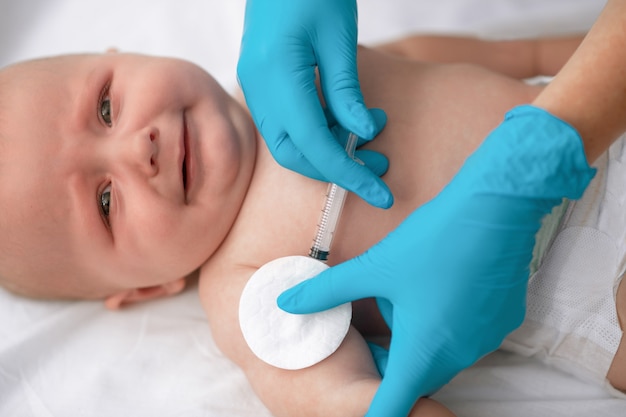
(335, 197)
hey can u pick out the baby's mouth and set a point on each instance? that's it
(187, 164)
(185, 173)
(185, 154)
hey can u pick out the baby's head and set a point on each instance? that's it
(118, 172)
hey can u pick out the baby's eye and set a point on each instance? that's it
(105, 111)
(105, 201)
(104, 107)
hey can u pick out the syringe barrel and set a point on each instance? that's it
(335, 197)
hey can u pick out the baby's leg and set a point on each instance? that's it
(342, 385)
(617, 371)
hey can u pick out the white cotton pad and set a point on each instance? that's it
(284, 340)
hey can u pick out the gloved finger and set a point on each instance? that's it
(338, 285)
(375, 161)
(342, 134)
(340, 84)
(380, 119)
(380, 356)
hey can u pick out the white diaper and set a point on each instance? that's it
(571, 320)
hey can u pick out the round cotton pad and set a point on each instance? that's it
(284, 340)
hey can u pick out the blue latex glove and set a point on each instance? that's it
(283, 43)
(452, 277)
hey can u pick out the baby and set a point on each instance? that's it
(122, 175)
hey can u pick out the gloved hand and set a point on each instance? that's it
(452, 277)
(283, 42)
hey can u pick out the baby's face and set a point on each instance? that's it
(120, 169)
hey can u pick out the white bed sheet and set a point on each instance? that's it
(158, 359)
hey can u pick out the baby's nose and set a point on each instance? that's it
(141, 150)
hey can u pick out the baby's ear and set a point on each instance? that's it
(135, 295)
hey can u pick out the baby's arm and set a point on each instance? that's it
(516, 58)
(342, 385)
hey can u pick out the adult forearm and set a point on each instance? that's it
(590, 91)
